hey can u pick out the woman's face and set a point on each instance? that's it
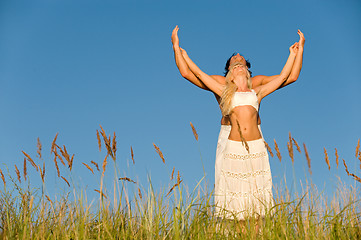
(239, 68)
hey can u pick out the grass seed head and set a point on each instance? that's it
(105, 162)
(159, 152)
(268, 148)
(17, 173)
(25, 169)
(95, 164)
(65, 181)
(277, 150)
(336, 154)
(56, 166)
(88, 167)
(132, 154)
(195, 134)
(99, 141)
(53, 143)
(308, 158)
(172, 175)
(139, 193)
(39, 146)
(127, 179)
(114, 145)
(296, 144)
(326, 158)
(243, 140)
(357, 148)
(101, 193)
(48, 198)
(3, 177)
(30, 160)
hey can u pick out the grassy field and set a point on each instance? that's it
(174, 213)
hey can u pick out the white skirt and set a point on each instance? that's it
(221, 145)
(244, 182)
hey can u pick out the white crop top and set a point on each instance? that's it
(245, 98)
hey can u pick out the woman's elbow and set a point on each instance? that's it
(292, 79)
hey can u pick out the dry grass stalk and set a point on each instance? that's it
(172, 175)
(326, 158)
(105, 162)
(39, 147)
(71, 162)
(351, 174)
(336, 154)
(159, 152)
(355, 177)
(357, 148)
(268, 148)
(25, 169)
(242, 138)
(88, 167)
(114, 146)
(66, 156)
(290, 151)
(95, 164)
(53, 143)
(48, 198)
(65, 181)
(277, 150)
(178, 177)
(127, 179)
(58, 156)
(132, 154)
(101, 193)
(30, 160)
(56, 166)
(17, 173)
(346, 169)
(194, 131)
(31, 202)
(99, 141)
(308, 158)
(42, 172)
(3, 177)
(140, 193)
(106, 141)
(296, 144)
(174, 186)
(290, 147)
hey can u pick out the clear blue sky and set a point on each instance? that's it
(68, 65)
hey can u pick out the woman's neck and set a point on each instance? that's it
(242, 83)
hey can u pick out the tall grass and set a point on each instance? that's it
(124, 212)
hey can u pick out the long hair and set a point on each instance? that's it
(229, 90)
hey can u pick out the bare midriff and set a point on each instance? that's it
(226, 119)
(244, 121)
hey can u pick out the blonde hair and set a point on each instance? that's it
(229, 90)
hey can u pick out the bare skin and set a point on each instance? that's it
(256, 80)
(245, 117)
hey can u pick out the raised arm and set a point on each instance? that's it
(273, 85)
(296, 68)
(210, 82)
(181, 64)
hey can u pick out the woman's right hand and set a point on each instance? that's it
(175, 39)
(294, 48)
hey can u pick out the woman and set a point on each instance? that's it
(256, 81)
(245, 181)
